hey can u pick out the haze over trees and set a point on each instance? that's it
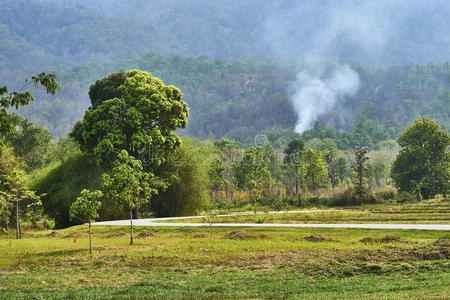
(235, 74)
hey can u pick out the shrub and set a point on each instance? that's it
(385, 195)
(349, 197)
(62, 183)
(405, 197)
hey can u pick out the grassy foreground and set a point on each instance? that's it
(311, 263)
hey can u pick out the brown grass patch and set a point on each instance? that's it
(386, 239)
(240, 235)
(201, 236)
(317, 238)
(145, 234)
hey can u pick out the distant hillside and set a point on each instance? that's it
(239, 99)
(40, 33)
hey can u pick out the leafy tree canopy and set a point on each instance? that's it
(424, 160)
(141, 118)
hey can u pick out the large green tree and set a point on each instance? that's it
(423, 164)
(132, 111)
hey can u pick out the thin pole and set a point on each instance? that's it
(131, 223)
(90, 240)
(17, 220)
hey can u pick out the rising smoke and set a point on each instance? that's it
(313, 96)
(347, 30)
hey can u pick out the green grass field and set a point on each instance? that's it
(209, 262)
(226, 263)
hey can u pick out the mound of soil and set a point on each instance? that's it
(317, 238)
(386, 239)
(240, 235)
(442, 243)
(145, 234)
(75, 235)
(54, 234)
(117, 234)
(201, 236)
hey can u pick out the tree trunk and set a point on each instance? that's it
(296, 181)
(131, 226)
(17, 220)
(90, 240)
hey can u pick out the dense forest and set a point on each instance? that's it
(237, 78)
(239, 99)
(38, 33)
(236, 71)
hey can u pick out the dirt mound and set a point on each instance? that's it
(117, 234)
(240, 235)
(386, 239)
(201, 236)
(75, 235)
(442, 243)
(54, 234)
(145, 234)
(317, 238)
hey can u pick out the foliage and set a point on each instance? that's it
(10, 100)
(62, 183)
(13, 189)
(360, 169)
(187, 180)
(128, 184)
(252, 173)
(423, 164)
(142, 119)
(293, 155)
(315, 169)
(31, 143)
(85, 208)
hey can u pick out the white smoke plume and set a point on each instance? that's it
(313, 95)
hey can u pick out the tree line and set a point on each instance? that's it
(126, 154)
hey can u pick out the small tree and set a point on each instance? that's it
(85, 209)
(293, 154)
(13, 189)
(360, 169)
(253, 174)
(330, 158)
(129, 185)
(315, 169)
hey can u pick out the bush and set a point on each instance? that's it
(405, 197)
(349, 197)
(314, 201)
(62, 183)
(386, 195)
(187, 193)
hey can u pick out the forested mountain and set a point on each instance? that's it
(256, 50)
(40, 33)
(239, 99)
